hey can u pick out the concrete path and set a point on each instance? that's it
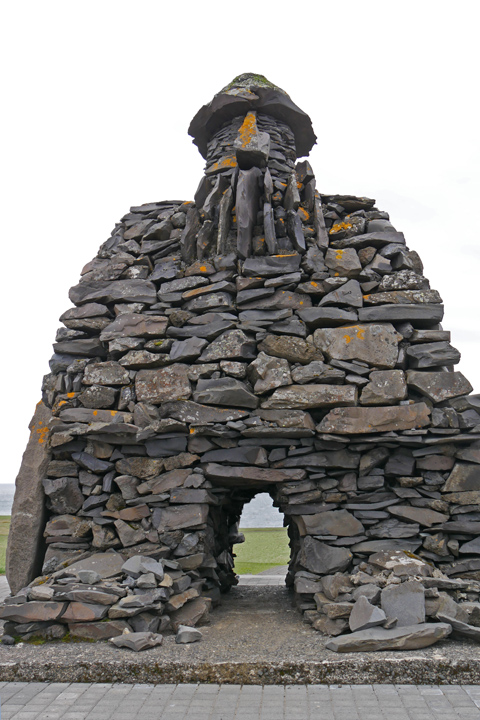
(82, 701)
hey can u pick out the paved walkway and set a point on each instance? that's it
(64, 701)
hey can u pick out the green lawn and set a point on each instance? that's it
(4, 526)
(263, 548)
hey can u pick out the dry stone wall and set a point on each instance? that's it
(270, 338)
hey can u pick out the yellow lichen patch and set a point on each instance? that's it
(203, 268)
(299, 185)
(42, 431)
(338, 254)
(61, 402)
(94, 413)
(71, 395)
(303, 214)
(248, 129)
(113, 412)
(356, 331)
(338, 227)
(192, 431)
(226, 162)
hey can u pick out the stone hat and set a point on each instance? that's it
(251, 92)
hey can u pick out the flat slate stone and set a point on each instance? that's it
(432, 354)
(272, 265)
(163, 385)
(34, 611)
(333, 522)
(385, 387)
(375, 344)
(422, 516)
(137, 641)
(231, 345)
(364, 615)
(113, 291)
(421, 316)
(361, 420)
(459, 627)
(323, 559)
(412, 637)
(135, 325)
(225, 391)
(291, 348)
(106, 373)
(405, 601)
(196, 414)
(249, 476)
(179, 516)
(464, 477)
(317, 372)
(318, 317)
(305, 397)
(105, 564)
(439, 386)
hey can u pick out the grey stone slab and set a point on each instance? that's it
(422, 316)
(410, 637)
(24, 550)
(405, 601)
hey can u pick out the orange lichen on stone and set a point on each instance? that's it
(226, 162)
(338, 227)
(71, 394)
(42, 431)
(303, 214)
(248, 129)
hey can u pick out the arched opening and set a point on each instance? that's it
(265, 549)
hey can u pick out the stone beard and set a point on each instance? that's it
(263, 338)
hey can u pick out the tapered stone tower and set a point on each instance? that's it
(263, 338)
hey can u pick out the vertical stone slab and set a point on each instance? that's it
(25, 548)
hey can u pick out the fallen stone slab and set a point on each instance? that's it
(404, 638)
(460, 628)
(186, 634)
(137, 641)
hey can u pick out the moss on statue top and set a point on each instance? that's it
(248, 80)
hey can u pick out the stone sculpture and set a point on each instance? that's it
(264, 337)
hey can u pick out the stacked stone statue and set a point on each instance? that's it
(263, 338)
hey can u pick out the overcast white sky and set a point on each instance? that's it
(98, 95)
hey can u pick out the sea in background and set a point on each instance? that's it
(7, 491)
(258, 513)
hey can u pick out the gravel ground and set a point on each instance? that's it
(255, 637)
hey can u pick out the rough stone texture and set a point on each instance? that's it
(25, 542)
(376, 345)
(379, 419)
(403, 638)
(165, 385)
(406, 602)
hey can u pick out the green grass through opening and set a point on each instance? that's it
(263, 548)
(4, 528)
